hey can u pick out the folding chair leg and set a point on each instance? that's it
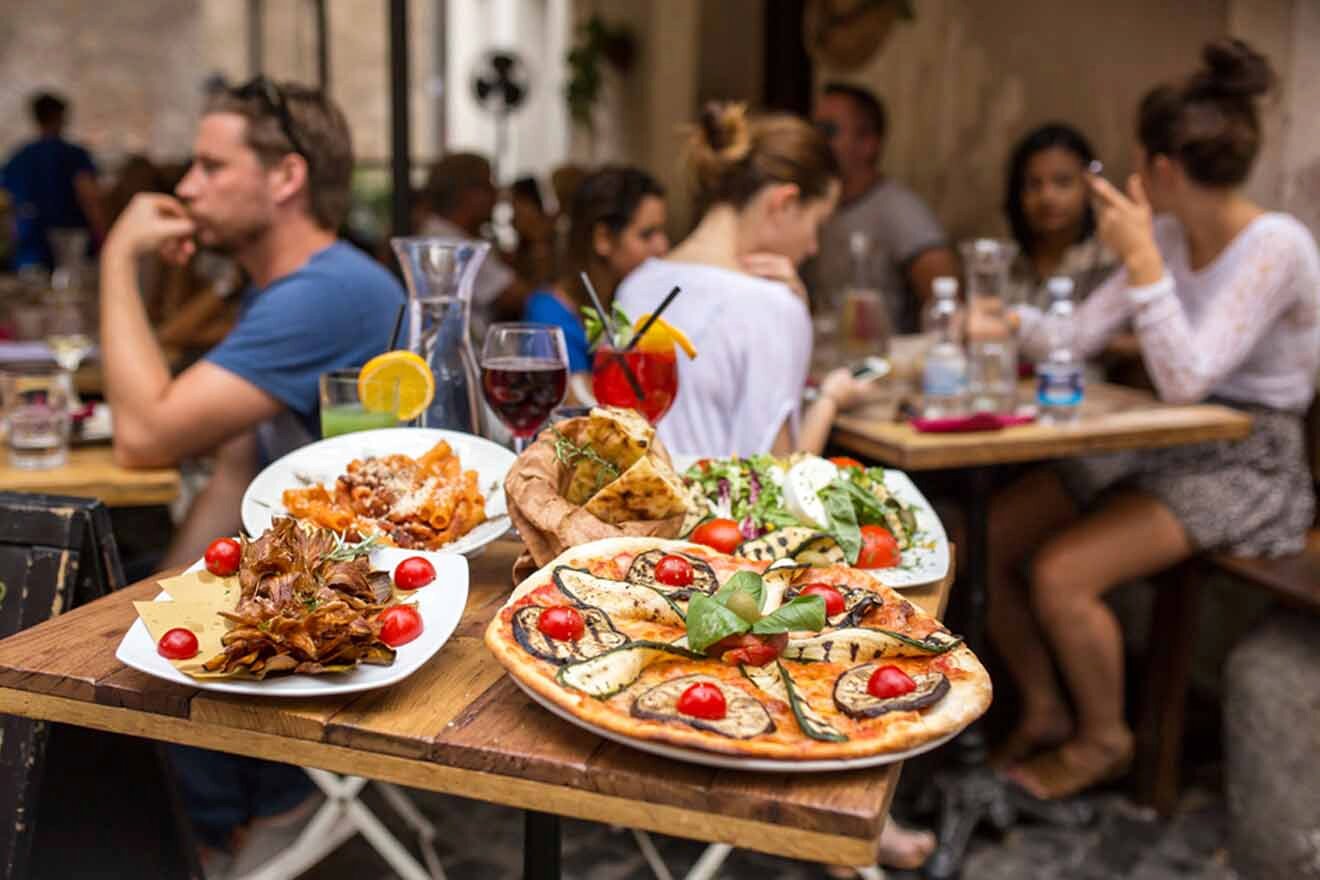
(652, 856)
(408, 811)
(709, 862)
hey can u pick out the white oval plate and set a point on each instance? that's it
(926, 562)
(323, 462)
(733, 762)
(440, 603)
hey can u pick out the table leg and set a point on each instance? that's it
(540, 846)
(969, 792)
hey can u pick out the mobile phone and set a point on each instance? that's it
(871, 368)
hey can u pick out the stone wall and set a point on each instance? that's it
(129, 69)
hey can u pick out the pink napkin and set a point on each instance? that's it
(982, 421)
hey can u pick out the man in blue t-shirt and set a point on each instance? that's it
(269, 185)
(52, 183)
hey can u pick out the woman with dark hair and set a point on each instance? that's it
(617, 221)
(1225, 300)
(1049, 211)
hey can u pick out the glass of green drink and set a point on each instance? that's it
(342, 411)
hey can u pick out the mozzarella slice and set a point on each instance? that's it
(804, 480)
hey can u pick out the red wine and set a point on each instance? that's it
(523, 390)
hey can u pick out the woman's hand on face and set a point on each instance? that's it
(1124, 223)
(774, 267)
(840, 386)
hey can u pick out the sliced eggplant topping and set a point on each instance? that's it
(780, 544)
(382, 586)
(642, 573)
(821, 550)
(598, 636)
(856, 603)
(854, 700)
(777, 580)
(618, 599)
(610, 672)
(746, 716)
(775, 680)
(860, 644)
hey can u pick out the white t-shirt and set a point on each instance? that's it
(753, 341)
(1246, 327)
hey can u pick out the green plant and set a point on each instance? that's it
(597, 41)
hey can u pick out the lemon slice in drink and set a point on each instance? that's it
(662, 337)
(401, 370)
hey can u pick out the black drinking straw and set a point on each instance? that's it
(398, 323)
(664, 304)
(608, 324)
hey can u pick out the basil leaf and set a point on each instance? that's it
(708, 621)
(802, 613)
(868, 508)
(742, 582)
(838, 503)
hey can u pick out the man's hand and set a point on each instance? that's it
(153, 222)
(775, 267)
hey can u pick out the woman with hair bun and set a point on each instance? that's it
(1223, 296)
(766, 183)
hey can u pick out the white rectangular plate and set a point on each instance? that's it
(440, 603)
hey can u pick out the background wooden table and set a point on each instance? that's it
(458, 725)
(91, 472)
(1112, 418)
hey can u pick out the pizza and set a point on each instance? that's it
(676, 643)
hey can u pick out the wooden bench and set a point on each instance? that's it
(1292, 580)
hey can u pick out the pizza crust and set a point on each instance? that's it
(969, 696)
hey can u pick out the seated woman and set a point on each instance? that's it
(617, 222)
(767, 183)
(1050, 214)
(1224, 299)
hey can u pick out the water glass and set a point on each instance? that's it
(865, 323)
(342, 411)
(992, 375)
(36, 414)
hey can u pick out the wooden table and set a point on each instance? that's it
(1112, 418)
(458, 725)
(91, 472)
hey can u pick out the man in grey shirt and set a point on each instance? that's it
(906, 248)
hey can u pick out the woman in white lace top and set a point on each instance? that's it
(1223, 298)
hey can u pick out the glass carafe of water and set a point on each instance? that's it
(991, 362)
(440, 273)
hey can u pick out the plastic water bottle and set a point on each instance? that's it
(1059, 384)
(944, 380)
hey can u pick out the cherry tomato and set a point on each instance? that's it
(562, 623)
(704, 464)
(413, 573)
(177, 644)
(834, 602)
(703, 700)
(749, 649)
(844, 461)
(718, 534)
(879, 549)
(399, 625)
(889, 681)
(223, 556)
(673, 571)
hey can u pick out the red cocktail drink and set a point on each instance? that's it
(656, 375)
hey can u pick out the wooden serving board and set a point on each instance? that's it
(458, 725)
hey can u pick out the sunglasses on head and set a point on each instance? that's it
(277, 105)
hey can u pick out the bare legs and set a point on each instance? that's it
(1062, 614)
